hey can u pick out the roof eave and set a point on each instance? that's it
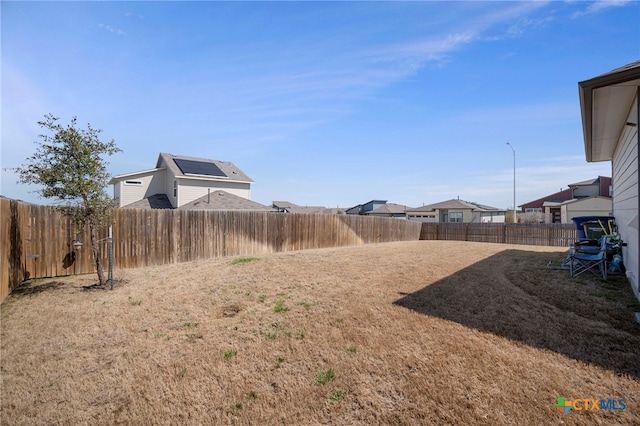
(117, 178)
(586, 93)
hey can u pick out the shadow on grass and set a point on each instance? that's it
(514, 295)
(28, 288)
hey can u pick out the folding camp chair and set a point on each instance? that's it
(596, 263)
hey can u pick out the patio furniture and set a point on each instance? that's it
(595, 263)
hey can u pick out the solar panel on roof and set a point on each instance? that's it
(198, 168)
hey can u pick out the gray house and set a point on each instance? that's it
(610, 115)
(457, 210)
(366, 207)
(389, 210)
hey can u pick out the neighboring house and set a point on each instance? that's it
(178, 181)
(590, 206)
(610, 114)
(457, 210)
(366, 207)
(288, 207)
(389, 210)
(549, 209)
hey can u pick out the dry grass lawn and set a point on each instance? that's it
(423, 332)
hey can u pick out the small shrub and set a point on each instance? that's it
(335, 396)
(352, 349)
(230, 353)
(261, 298)
(325, 376)
(280, 307)
(134, 302)
(234, 408)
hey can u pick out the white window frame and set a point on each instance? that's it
(458, 215)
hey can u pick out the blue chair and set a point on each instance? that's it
(596, 263)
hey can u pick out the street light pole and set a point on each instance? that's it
(514, 182)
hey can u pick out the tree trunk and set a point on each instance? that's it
(96, 254)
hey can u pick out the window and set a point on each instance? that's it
(175, 188)
(533, 210)
(455, 217)
(133, 182)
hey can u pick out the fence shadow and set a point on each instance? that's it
(514, 295)
(28, 289)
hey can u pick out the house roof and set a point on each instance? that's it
(556, 197)
(580, 200)
(157, 201)
(230, 170)
(294, 208)
(387, 209)
(564, 195)
(454, 204)
(605, 102)
(594, 181)
(223, 200)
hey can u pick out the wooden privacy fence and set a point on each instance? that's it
(556, 235)
(37, 241)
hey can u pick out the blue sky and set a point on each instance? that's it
(322, 103)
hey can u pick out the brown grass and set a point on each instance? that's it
(425, 332)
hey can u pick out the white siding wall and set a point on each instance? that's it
(587, 207)
(116, 193)
(152, 183)
(168, 184)
(625, 200)
(189, 190)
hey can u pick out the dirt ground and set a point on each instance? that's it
(416, 333)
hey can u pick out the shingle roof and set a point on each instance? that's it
(223, 200)
(157, 201)
(454, 204)
(449, 204)
(294, 208)
(227, 167)
(388, 208)
(586, 182)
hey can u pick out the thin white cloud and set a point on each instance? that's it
(597, 6)
(528, 24)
